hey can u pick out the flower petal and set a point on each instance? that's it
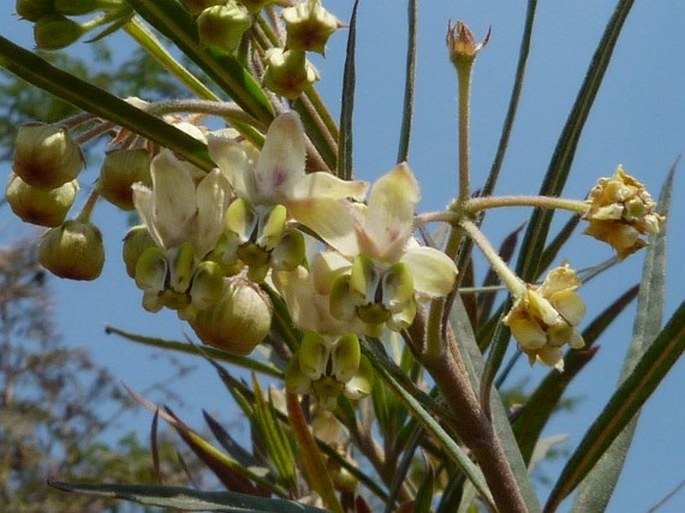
(142, 201)
(330, 219)
(212, 198)
(389, 219)
(234, 162)
(324, 184)
(282, 159)
(174, 206)
(434, 272)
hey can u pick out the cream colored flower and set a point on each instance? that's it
(545, 318)
(621, 210)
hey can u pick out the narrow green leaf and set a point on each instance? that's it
(596, 489)
(310, 455)
(187, 499)
(531, 419)
(344, 169)
(188, 348)
(381, 365)
(99, 102)
(409, 82)
(404, 464)
(424, 495)
(231, 473)
(529, 260)
(175, 22)
(230, 445)
(622, 406)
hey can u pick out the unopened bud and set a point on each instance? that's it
(45, 156)
(239, 321)
(288, 72)
(75, 7)
(38, 206)
(73, 250)
(309, 26)
(223, 26)
(33, 10)
(55, 32)
(197, 6)
(461, 44)
(120, 170)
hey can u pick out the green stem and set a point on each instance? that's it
(464, 80)
(147, 40)
(477, 204)
(87, 210)
(510, 280)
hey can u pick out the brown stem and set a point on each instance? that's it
(473, 427)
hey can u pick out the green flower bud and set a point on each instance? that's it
(73, 250)
(45, 156)
(197, 6)
(309, 26)
(223, 26)
(38, 206)
(136, 241)
(288, 72)
(54, 32)
(239, 321)
(33, 10)
(75, 7)
(120, 170)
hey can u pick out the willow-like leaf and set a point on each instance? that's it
(424, 495)
(530, 420)
(310, 455)
(409, 82)
(534, 241)
(596, 489)
(188, 348)
(404, 466)
(175, 22)
(344, 169)
(99, 102)
(380, 362)
(187, 499)
(234, 476)
(230, 445)
(622, 406)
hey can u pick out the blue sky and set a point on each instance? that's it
(638, 120)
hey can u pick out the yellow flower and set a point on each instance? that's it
(544, 318)
(621, 210)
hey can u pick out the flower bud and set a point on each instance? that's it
(73, 250)
(45, 156)
(75, 7)
(461, 44)
(197, 6)
(121, 169)
(55, 32)
(33, 10)
(239, 321)
(309, 26)
(223, 26)
(136, 241)
(38, 206)
(288, 72)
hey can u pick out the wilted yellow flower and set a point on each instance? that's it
(544, 318)
(621, 210)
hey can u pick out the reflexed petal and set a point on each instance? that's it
(282, 159)
(434, 272)
(234, 163)
(173, 198)
(324, 184)
(569, 305)
(330, 219)
(142, 200)
(389, 220)
(212, 196)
